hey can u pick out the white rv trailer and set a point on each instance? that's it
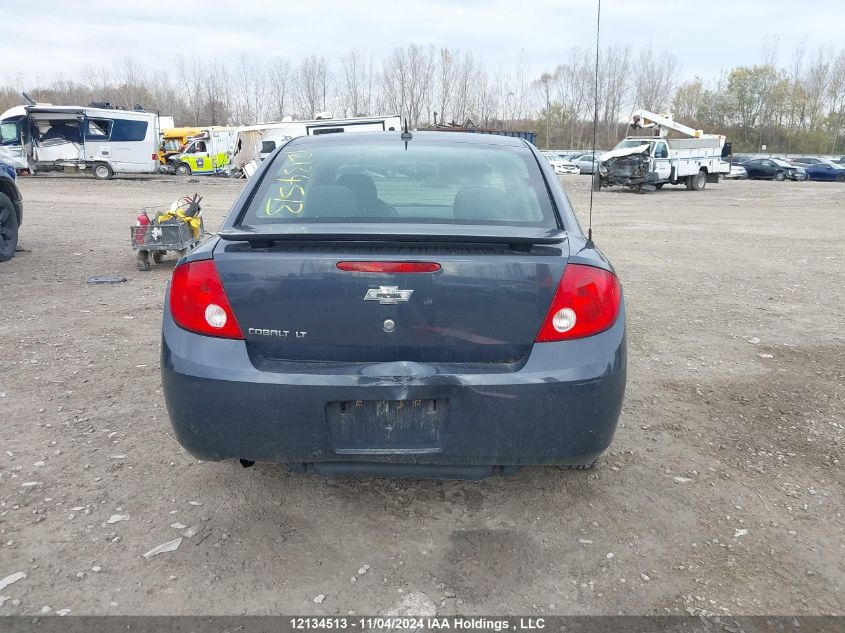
(105, 140)
(253, 143)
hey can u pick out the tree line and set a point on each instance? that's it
(794, 107)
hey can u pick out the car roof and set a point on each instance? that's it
(427, 136)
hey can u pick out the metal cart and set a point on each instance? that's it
(156, 239)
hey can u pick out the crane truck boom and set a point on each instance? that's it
(647, 163)
(643, 119)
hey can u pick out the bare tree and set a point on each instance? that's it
(278, 72)
(354, 84)
(445, 82)
(614, 88)
(465, 77)
(485, 101)
(311, 86)
(407, 81)
(817, 85)
(217, 88)
(654, 79)
(250, 87)
(543, 88)
(574, 82)
(131, 78)
(514, 92)
(191, 77)
(796, 107)
(836, 95)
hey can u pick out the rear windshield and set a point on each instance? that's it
(383, 181)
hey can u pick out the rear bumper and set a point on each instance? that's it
(560, 405)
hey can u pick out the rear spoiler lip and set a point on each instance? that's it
(397, 233)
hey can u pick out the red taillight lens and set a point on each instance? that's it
(198, 302)
(586, 303)
(389, 267)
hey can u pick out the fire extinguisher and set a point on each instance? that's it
(143, 223)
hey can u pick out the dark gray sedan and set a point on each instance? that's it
(420, 305)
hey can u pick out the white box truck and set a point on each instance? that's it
(646, 163)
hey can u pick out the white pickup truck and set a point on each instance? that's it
(647, 163)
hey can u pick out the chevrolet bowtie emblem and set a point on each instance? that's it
(388, 295)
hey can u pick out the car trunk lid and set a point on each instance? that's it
(485, 303)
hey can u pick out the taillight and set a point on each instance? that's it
(389, 267)
(198, 301)
(586, 302)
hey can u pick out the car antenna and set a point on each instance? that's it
(595, 123)
(406, 135)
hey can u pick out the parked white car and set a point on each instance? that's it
(561, 165)
(737, 172)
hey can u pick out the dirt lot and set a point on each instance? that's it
(723, 491)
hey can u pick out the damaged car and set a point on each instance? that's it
(648, 163)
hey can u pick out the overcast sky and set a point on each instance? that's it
(48, 39)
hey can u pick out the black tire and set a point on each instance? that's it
(102, 171)
(780, 176)
(8, 228)
(158, 256)
(699, 181)
(183, 169)
(840, 178)
(596, 182)
(659, 185)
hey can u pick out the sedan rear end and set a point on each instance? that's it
(564, 167)
(419, 305)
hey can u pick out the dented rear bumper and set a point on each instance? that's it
(559, 405)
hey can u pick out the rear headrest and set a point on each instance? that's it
(481, 203)
(331, 201)
(362, 186)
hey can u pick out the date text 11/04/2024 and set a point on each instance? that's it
(418, 623)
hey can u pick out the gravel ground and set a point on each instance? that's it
(722, 492)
